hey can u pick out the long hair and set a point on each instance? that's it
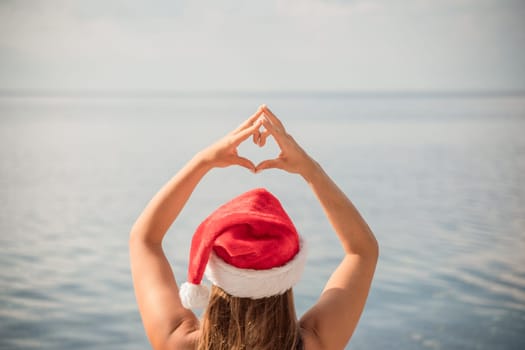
(231, 323)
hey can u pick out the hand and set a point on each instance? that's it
(223, 153)
(292, 157)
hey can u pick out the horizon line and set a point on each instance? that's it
(290, 93)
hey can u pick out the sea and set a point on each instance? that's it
(439, 177)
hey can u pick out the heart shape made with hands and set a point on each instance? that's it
(252, 151)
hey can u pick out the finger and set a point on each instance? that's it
(244, 162)
(262, 137)
(272, 116)
(269, 164)
(244, 134)
(256, 137)
(249, 121)
(270, 128)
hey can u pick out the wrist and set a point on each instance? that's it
(202, 161)
(311, 170)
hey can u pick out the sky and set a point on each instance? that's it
(273, 45)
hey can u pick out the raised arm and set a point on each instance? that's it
(332, 320)
(168, 324)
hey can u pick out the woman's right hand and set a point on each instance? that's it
(292, 158)
(332, 320)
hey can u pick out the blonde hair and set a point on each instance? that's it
(231, 323)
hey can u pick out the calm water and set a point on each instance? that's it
(440, 180)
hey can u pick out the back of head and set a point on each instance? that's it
(249, 247)
(251, 252)
(243, 323)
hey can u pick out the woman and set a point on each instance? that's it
(233, 322)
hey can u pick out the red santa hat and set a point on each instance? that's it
(249, 247)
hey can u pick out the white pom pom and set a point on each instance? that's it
(194, 296)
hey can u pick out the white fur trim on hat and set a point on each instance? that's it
(194, 295)
(256, 284)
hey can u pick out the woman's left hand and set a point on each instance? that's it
(223, 153)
